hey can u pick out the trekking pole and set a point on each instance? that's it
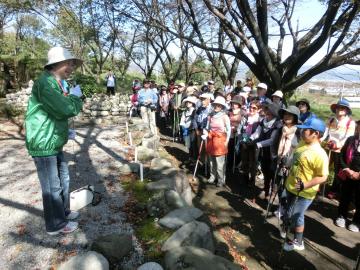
(173, 127)
(357, 265)
(178, 123)
(234, 158)
(324, 185)
(198, 159)
(272, 199)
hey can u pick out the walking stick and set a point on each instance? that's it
(357, 266)
(198, 159)
(324, 185)
(234, 158)
(271, 200)
(173, 127)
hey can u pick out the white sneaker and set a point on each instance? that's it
(211, 180)
(282, 231)
(353, 227)
(340, 222)
(68, 228)
(72, 215)
(293, 245)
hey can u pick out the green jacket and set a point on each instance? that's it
(47, 116)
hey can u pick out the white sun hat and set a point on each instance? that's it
(220, 100)
(191, 99)
(278, 93)
(207, 95)
(262, 85)
(246, 89)
(60, 54)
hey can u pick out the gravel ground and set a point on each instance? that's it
(93, 159)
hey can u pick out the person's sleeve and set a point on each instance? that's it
(228, 128)
(140, 97)
(326, 133)
(55, 103)
(343, 154)
(269, 141)
(256, 134)
(322, 165)
(154, 97)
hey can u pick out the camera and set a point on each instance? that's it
(152, 107)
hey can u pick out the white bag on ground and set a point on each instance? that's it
(81, 197)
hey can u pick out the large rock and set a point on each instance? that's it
(160, 164)
(182, 186)
(151, 142)
(157, 174)
(196, 258)
(157, 206)
(163, 184)
(194, 233)
(179, 217)
(129, 168)
(174, 200)
(113, 246)
(150, 266)
(146, 154)
(91, 260)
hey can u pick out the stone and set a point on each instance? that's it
(151, 142)
(160, 164)
(178, 217)
(129, 168)
(163, 184)
(196, 258)
(174, 200)
(113, 246)
(157, 174)
(150, 266)
(146, 154)
(91, 260)
(194, 233)
(183, 187)
(156, 206)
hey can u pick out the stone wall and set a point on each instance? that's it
(95, 107)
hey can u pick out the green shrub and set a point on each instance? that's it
(88, 84)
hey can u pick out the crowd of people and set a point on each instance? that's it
(233, 130)
(239, 132)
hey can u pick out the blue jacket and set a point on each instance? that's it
(147, 94)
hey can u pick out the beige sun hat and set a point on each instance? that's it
(60, 54)
(220, 100)
(191, 99)
(278, 93)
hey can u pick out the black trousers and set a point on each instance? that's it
(110, 90)
(350, 189)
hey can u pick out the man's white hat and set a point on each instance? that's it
(60, 54)
(246, 89)
(262, 85)
(207, 95)
(211, 82)
(220, 100)
(191, 99)
(278, 93)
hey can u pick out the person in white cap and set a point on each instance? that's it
(217, 134)
(200, 119)
(261, 92)
(277, 98)
(49, 108)
(211, 86)
(186, 124)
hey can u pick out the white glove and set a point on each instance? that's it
(76, 91)
(204, 137)
(71, 134)
(205, 132)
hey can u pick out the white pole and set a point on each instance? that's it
(130, 139)
(127, 127)
(141, 172)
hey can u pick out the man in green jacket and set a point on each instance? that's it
(50, 106)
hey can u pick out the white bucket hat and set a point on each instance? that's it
(262, 85)
(191, 99)
(60, 54)
(220, 100)
(246, 89)
(207, 95)
(278, 93)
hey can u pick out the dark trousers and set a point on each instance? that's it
(336, 185)
(267, 168)
(110, 90)
(349, 190)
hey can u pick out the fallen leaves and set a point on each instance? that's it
(21, 229)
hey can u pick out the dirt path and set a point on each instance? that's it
(93, 159)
